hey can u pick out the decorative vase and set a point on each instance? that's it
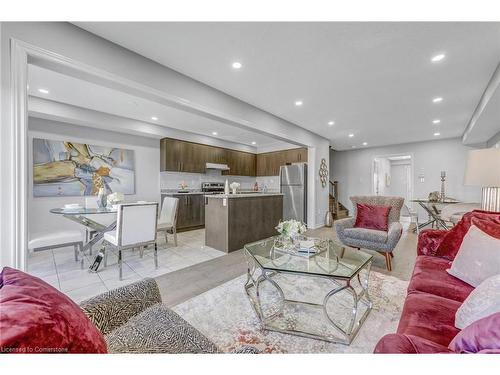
(328, 219)
(102, 198)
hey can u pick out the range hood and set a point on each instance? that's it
(220, 167)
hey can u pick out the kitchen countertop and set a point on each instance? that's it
(244, 195)
(186, 193)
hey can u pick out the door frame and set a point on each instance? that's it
(412, 176)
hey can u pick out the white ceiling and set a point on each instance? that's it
(76, 92)
(374, 80)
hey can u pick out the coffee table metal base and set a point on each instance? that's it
(275, 320)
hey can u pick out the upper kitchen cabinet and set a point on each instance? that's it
(240, 163)
(180, 156)
(269, 163)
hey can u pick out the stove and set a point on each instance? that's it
(212, 187)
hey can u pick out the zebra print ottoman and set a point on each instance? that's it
(133, 320)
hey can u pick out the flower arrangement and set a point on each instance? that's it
(291, 228)
(234, 186)
(116, 198)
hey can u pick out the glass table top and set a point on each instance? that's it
(325, 263)
(83, 211)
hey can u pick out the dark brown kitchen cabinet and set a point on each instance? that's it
(182, 156)
(268, 164)
(191, 211)
(240, 163)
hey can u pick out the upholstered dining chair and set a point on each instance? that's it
(135, 227)
(167, 221)
(361, 238)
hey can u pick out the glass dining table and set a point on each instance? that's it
(80, 216)
(433, 211)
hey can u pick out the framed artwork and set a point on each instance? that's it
(64, 168)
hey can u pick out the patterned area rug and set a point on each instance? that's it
(225, 315)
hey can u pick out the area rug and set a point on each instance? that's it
(225, 315)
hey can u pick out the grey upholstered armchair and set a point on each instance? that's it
(371, 239)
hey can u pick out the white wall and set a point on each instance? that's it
(352, 169)
(147, 165)
(74, 43)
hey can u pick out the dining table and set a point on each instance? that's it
(81, 215)
(432, 208)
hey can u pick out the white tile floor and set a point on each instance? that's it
(58, 267)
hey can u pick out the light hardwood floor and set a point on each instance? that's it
(179, 286)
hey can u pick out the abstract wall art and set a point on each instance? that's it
(64, 168)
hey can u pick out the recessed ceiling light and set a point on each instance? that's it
(436, 121)
(236, 65)
(298, 103)
(437, 100)
(437, 134)
(351, 135)
(365, 143)
(331, 123)
(43, 91)
(254, 143)
(214, 133)
(154, 118)
(438, 58)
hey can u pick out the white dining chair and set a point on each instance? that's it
(167, 221)
(135, 227)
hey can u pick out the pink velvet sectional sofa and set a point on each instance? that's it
(427, 323)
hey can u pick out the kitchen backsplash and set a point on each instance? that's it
(172, 180)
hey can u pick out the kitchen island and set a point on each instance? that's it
(233, 220)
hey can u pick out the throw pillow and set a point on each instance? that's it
(37, 318)
(482, 336)
(372, 217)
(478, 257)
(450, 244)
(483, 301)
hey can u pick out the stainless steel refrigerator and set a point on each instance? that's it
(293, 185)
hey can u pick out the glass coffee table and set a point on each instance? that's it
(322, 296)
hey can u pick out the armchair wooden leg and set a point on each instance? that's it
(388, 261)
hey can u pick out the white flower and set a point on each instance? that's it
(291, 228)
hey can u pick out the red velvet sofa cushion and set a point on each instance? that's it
(487, 221)
(372, 217)
(429, 240)
(37, 318)
(407, 344)
(429, 316)
(430, 276)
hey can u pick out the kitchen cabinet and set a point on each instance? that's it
(182, 156)
(268, 164)
(240, 163)
(191, 211)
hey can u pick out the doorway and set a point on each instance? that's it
(393, 176)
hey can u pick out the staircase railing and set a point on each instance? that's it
(334, 193)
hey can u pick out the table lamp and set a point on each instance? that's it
(483, 169)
